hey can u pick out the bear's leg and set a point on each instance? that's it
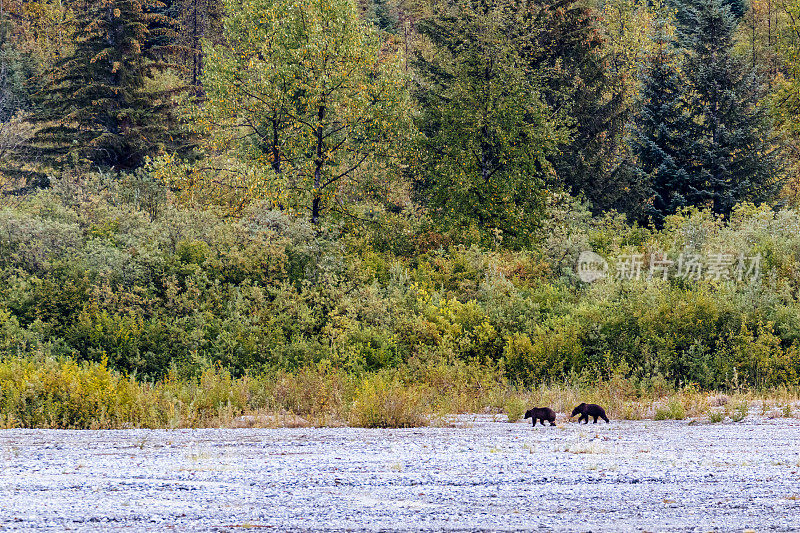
(595, 420)
(552, 422)
(584, 416)
(606, 419)
(534, 421)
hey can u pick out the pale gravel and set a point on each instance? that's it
(484, 475)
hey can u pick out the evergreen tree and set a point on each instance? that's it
(659, 130)
(486, 131)
(684, 10)
(382, 13)
(732, 158)
(17, 71)
(102, 105)
(18, 81)
(570, 54)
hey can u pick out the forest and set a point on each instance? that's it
(368, 210)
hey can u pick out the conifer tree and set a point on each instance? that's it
(198, 20)
(101, 106)
(18, 82)
(684, 10)
(14, 74)
(659, 130)
(732, 156)
(570, 53)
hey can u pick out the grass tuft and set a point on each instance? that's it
(673, 410)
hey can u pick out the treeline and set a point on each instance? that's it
(266, 184)
(472, 109)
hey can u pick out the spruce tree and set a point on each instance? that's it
(732, 157)
(198, 20)
(17, 74)
(102, 106)
(684, 8)
(658, 138)
(18, 82)
(569, 55)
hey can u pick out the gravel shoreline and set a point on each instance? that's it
(483, 475)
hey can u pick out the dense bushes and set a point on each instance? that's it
(111, 271)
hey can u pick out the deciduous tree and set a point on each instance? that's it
(308, 91)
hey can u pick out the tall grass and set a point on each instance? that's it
(46, 392)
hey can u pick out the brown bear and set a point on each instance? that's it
(541, 414)
(589, 409)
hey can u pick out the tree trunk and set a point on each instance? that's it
(318, 163)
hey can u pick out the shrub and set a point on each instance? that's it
(63, 393)
(738, 411)
(514, 408)
(102, 267)
(384, 402)
(673, 410)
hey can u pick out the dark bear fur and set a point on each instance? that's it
(589, 409)
(541, 414)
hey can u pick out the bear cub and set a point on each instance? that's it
(541, 414)
(589, 409)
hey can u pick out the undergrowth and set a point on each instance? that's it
(47, 392)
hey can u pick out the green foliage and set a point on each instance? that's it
(17, 71)
(731, 146)
(583, 58)
(739, 411)
(66, 394)
(785, 100)
(700, 137)
(673, 410)
(94, 277)
(658, 137)
(339, 247)
(302, 88)
(514, 408)
(486, 131)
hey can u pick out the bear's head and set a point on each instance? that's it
(578, 410)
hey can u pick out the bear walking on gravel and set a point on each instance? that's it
(541, 414)
(589, 409)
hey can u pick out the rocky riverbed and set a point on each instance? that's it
(483, 474)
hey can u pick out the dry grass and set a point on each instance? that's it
(384, 402)
(61, 393)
